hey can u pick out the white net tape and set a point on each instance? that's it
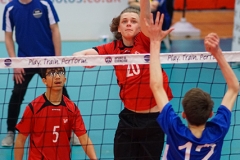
(105, 60)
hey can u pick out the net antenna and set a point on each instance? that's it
(184, 29)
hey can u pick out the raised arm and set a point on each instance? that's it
(145, 13)
(134, 3)
(212, 45)
(145, 16)
(86, 52)
(154, 5)
(156, 35)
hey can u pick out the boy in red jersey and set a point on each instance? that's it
(138, 136)
(49, 121)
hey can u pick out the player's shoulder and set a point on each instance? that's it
(71, 106)
(109, 48)
(45, 1)
(40, 98)
(11, 3)
(37, 103)
(114, 44)
(119, 47)
(142, 43)
(49, 1)
(140, 36)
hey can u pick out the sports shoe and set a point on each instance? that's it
(8, 140)
(74, 140)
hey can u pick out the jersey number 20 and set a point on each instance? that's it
(131, 70)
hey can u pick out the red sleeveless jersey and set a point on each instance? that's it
(133, 79)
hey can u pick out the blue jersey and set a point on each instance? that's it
(183, 145)
(162, 8)
(32, 26)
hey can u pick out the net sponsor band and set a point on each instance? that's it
(104, 60)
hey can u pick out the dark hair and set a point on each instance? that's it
(44, 70)
(115, 22)
(197, 106)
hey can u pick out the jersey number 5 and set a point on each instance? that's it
(55, 133)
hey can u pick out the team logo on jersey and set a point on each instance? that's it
(37, 13)
(126, 51)
(147, 58)
(65, 120)
(108, 59)
(7, 62)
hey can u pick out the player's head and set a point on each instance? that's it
(197, 106)
(53, 77)
(127, 24)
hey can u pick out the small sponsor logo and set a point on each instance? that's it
(121, 59)
(126, 51)
(108, 59)
(37, 13)
(147, 58)
(56, 109)
(7, 62)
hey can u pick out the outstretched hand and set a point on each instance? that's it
(211, 43)
(155, 29)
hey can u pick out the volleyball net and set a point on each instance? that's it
(96, 92)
